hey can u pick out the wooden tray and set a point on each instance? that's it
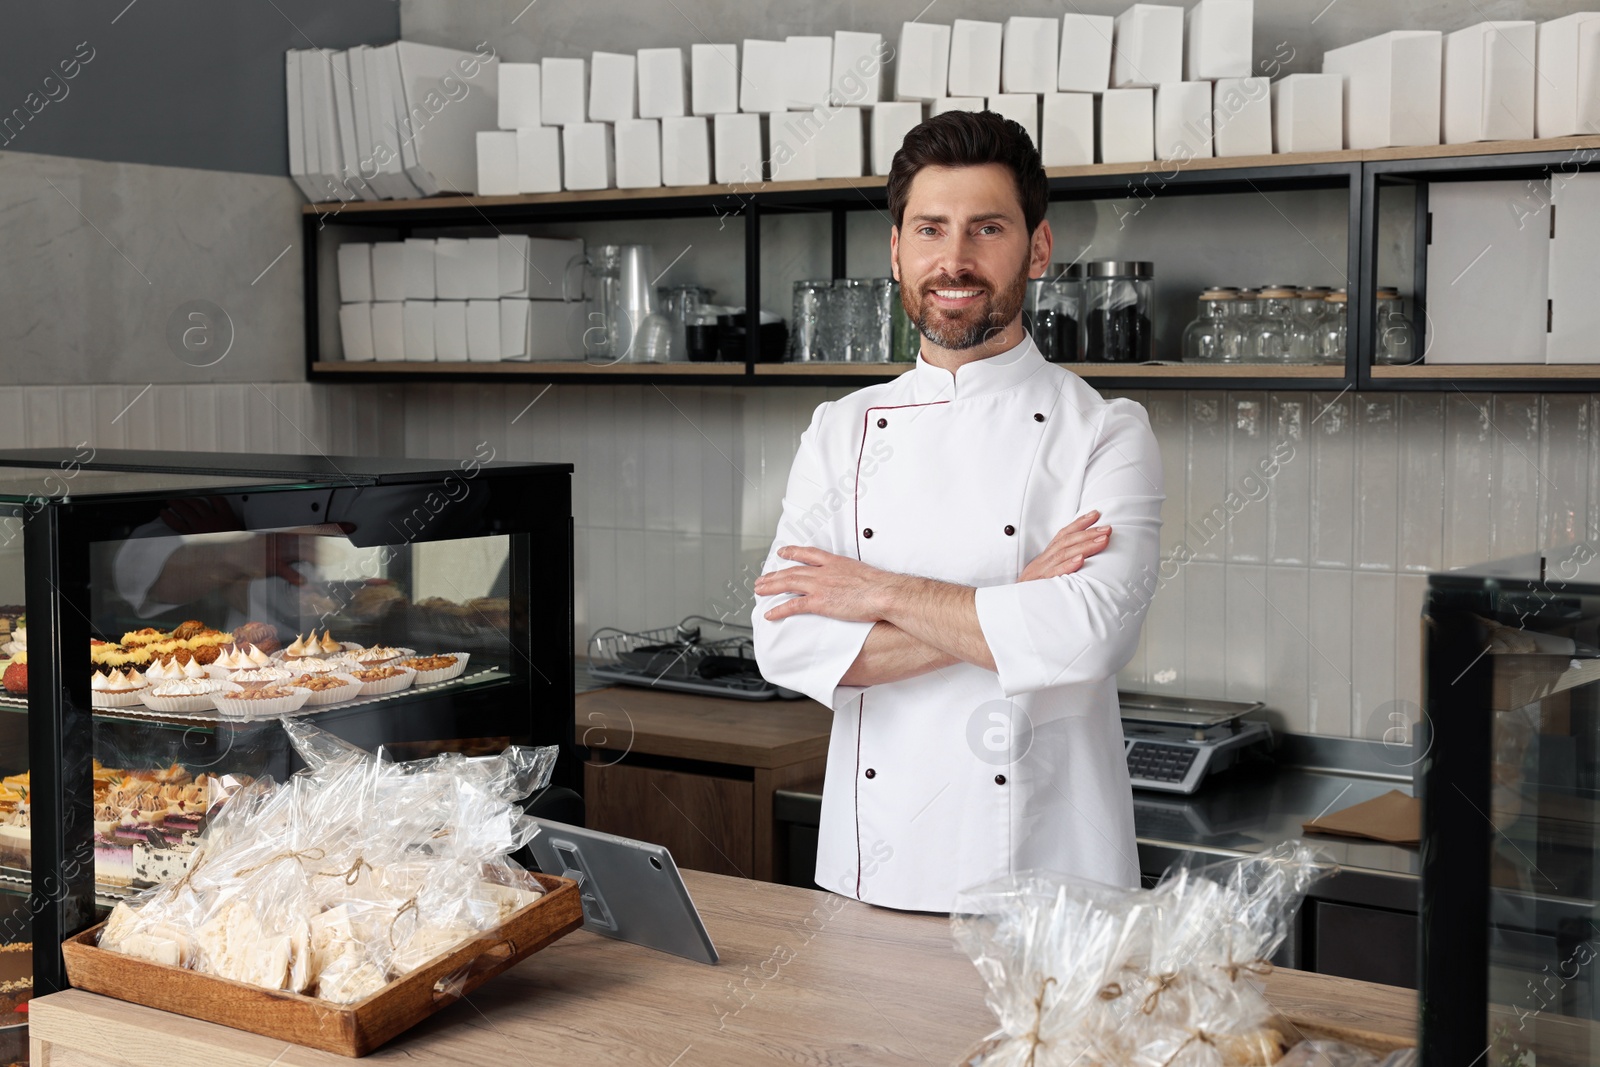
(346, 1029)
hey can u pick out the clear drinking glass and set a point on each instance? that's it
(809, 320)
(885, 296)
(907, 338)
(853, 334)
(1206, 339)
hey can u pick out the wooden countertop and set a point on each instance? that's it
(806, 977)
(745, 733)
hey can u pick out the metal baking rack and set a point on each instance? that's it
(698, 655)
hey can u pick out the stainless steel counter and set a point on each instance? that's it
(1243, 811)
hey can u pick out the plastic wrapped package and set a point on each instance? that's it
(352, 873)
(1084, 974)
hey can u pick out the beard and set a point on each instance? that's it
(963, 328)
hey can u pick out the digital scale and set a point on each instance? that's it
(1173, 743)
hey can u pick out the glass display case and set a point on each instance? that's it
(1510, 856)
(160, 612)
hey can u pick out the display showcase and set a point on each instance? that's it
(1511, 824)
(168, 609)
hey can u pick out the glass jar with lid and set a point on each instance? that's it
(1396, 341)
(1333, 332)
(1311, 304)
(1244, 320)
(1210, 336)
(1117, 307)
(1271, 336)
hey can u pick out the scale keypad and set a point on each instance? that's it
(1159, 763)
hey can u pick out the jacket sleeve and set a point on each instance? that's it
(1084, 627)
(810, 653)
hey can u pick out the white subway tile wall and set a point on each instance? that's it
(1310, 519)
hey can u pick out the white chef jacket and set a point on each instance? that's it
(957, 776)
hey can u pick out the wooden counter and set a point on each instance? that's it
(806, 977)
(697, 774)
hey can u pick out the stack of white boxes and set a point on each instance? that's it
(477, 299)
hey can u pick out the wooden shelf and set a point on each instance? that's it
(878, 182)
(1205, 370)
(1481, 371)
(515, 370)
(832, 370)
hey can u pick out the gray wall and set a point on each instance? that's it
(184, 83)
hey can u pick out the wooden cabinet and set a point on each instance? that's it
(697, 774)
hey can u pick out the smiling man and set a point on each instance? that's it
(964, 561)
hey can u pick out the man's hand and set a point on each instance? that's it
(836, 586)
(1068, 549)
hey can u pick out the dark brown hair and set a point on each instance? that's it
(971, 139)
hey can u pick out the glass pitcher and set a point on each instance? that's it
(623, 323)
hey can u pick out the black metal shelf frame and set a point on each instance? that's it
(1362, 180)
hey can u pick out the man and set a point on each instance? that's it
(929, 581)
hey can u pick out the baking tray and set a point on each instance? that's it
(346, 1029)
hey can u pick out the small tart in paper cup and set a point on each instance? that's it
(349, 688)
(267, 700)
(378, 655)
(314, 665)
(186, 696)
(117, 698)
(389, 683)
(432, 669)
(256, 674)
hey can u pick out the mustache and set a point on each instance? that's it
(966, 282)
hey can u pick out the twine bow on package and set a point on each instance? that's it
(1088, 975)
(352, 873)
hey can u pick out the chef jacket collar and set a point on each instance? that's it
(993, 374)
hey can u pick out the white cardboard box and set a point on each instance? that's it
(564, 91)
(1085, 64)
(1575, 271)
(1567, 97)
(1221, 36)
(355, 332)
(975, 58)
(736, 147)
(1067, 130)
(1149, 47)
(1127, 125)
(389, 331)
(1392, 88)
(922, 62)
(536, 268)
(686, 151)
(418, 319)
(513, 328)
(807, 71)
(840, 143)
(638, 148)
(520, 106)
(390, 280)
(1488, 275)
(355, 272)
(586, 156)
(497, 162)
(763, 84)
(1030, 56)
(420, 267)
(890, 123)
(662, 83)
(793, 138)
(483, 331)
(450, 331)
(1183, 120)
(955, 103)
(714, 79)
(611, 93)
(539, 160)
(467, 269)
(1308, 113)
(857, 68)
(1489, 82)
(1019, 107)
(1241, 116)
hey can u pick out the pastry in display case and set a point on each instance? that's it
(182, 607)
